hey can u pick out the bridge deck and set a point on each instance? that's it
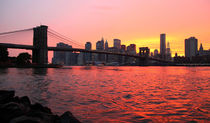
(30, 47)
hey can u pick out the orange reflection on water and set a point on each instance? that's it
(122, 94)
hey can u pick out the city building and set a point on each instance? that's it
(168, 52)
(155, 53)
(123, 48)
(63, 57)
(203, 52)
(88, 46)
(100, 47)
(88, 56)
(191, 47)
(131, 49)
(163, 46)
(81, 59)
(106, 45)
(117, 43)
(60, 57)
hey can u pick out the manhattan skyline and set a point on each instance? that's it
(138, 22)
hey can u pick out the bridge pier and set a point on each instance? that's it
(40, 51)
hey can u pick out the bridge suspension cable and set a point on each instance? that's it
(62, 37)
(16, 31)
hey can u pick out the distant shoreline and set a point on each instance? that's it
(60, 66)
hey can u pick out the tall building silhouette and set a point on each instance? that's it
(88, 46)
(106, 45)
(100, 47)
(163, 45)
(191, 47)
(155, 53)
(203, 52)
(168, 52)
(131, 49)
(88, 56)
(102, 43)
(63, 57)
(117, 43)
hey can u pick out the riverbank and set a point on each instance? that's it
(14, 109)
(31, 66)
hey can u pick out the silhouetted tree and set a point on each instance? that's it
(3, 54)
(23, 59)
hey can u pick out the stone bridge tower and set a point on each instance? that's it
(40, 52)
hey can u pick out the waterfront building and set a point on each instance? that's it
(106, 45)
(117, 43)
(168, 52)
(100, 47)
(191, 47)
(155, 52)
(88, 56)
(113, 58)
(162, 45)
(61, 57)
(88, 46)
(131, 49)
(123, 48)
(203, 52)
(64, 57)
(81, 59)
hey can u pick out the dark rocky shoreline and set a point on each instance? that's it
(14, 109)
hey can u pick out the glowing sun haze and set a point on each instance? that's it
(133, 21)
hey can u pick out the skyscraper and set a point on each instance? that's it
(117, 43)
(155, 52)
(106, 45)
(163, 45)
(88, 46)
(65, 58)
(102, 43)
(88, 56)
(100, 46)
(168, 52)
(191, 47)
(131, 49)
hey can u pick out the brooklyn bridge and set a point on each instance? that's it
(40, 46)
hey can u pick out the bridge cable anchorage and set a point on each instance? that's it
(51, 30)
(16, 31)
(63, 38)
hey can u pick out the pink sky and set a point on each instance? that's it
(132, 21)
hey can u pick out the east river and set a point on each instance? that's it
(117, 94)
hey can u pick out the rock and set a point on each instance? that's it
(20, 110)
(67, 117)
(6, 96)
(25, 100)
(11, 110)
(44, 117)
(26, 119)
(39, 107)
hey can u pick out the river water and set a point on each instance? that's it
(117, 94)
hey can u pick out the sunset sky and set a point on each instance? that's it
(133, 21)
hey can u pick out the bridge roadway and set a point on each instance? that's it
(30, 47)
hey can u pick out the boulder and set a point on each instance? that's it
(68, 117)
(6, 96)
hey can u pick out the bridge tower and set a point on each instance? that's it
(40, 52)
